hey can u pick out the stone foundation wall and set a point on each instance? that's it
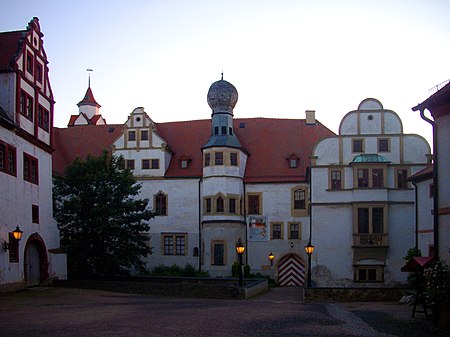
(177, 287)
(353, 294)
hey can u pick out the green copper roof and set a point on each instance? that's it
(369, 158)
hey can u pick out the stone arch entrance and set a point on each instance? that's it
(291, 271)
(35, 261)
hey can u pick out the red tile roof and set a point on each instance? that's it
(9, 48)
(268, 141)
(423, 174)
(81, 141)
(89, 99)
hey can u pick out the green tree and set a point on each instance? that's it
(100, 218)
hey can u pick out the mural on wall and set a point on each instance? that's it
(257, 228)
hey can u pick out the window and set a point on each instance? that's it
(376, 175)
(130, 164)
(402, 176)
(144, 134)
(131, 135)
(383, 145)
(145, 164)
(13, 249)
(43, 118)
(358, 145)
(30, 64)
(233, 158)
(218, 158)
(219, 205)
(253, 204)
(336, 180)
(174, 244)
(218, 253)
(184, 163)
(216, 130)
(299, 199)
(370, 225)
(232, 205)
(208, 204)
(363, 177)
(26, 105)
(161, 204)
(294, 231)
(155, 164)
(34, 213)
(207, 159)
(7, 159)
(230, 129)
(292, 163)
(377, 178)
(30, 169)
(38, 72)
(368, 274)
(276, 231)
(224, 130)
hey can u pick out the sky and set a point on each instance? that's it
(283, 57)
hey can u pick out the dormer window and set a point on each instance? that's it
(293, 160)
(184, 162)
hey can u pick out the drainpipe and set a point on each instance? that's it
(435, 186)
(244, 204)
(200, 251)
(416, 222)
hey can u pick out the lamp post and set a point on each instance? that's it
(17, 234)
(309, 249)
(240, 249)
(271, 257)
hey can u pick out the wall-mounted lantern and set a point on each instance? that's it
(271, 257)
(17, 234)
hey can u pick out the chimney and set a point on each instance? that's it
(310, 117)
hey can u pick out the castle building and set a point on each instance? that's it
(26, 140)
(362, 203)
(213, 182)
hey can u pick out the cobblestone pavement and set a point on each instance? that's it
(279, 312)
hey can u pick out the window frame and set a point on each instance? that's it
(377, 270)
(254, 203)
(131, 135)
(173, 246)
(223, 244)
(299, 231)
(145, 164)
(273, 231)
(30, 169)
(39, 72)
(370, 178)
(218, 159)
(129, 164)
(146, 133)
(26, 105)
(43, 118)
(207, 160)
(233, 159)
(35, 214)
(161, 203)
(355, 142)
(401, 183)
(8, 155)
(30, 63)
(154, 164)
(384, 145)
(332, 182)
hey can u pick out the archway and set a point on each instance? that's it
(291, 271)
(35, 261)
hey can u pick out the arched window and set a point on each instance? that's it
(161, 204)
(299, 199)
(220, 205)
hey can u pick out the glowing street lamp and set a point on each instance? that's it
(240, 249)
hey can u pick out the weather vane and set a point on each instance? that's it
(89, 71)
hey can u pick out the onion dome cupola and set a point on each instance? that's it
(222, 98)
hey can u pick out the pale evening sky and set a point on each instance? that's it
(283, 57)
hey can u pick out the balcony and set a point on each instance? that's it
(370, 240)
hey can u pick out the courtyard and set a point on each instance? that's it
(48, 311)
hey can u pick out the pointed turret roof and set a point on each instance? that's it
(89, 99)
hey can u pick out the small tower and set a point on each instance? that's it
(222, 98)
(88, 111)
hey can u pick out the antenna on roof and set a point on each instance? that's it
(222, 76)
(89, 71)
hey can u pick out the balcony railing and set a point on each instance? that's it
(371, 240)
